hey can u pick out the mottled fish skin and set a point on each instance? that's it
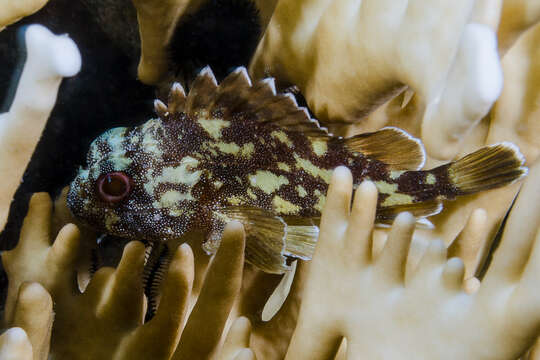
(194, 160)
(182, 166)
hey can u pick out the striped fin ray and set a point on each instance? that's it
(386, 214)
(487, 168)
(393, 146)
(269, 239)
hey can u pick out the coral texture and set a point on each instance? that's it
(15, 10)
(29, 332)
(424, 314)
(349, 57)
(155, 35)
(113, 302)
(49, 59)
(514, 117)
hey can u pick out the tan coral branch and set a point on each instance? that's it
(157, 20)
(12, 11)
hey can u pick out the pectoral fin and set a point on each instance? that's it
(269, 240)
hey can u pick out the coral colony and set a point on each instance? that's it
(232, 177)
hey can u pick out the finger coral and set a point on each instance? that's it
(114, 298)
(412, 316)
(348, 57)
(49, 59)
(14, 345)
(28, 336)
(156, 35)
(437, 68)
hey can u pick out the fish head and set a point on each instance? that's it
(133, 188)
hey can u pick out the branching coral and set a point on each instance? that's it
(112, 303)
(30, 330)
(457, 91)
(349, 57)
(49, 58)
(513, 118)
(425, 314)
(517, 17)
(155, 35)
(36, 259)
(14, 345)
(15, 10)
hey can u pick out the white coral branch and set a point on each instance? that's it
(49, 58)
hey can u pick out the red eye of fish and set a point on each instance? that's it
(113, 187)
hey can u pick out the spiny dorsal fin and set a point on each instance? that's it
(237, 96)
(202, 92)
(160, 108)
(177, 98)
(393, 146)
(228, 90)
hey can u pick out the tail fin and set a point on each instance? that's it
(490, 167)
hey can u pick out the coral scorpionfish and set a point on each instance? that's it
(241, 151)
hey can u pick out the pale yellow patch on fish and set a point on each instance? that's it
(110, 219)
(228, 148)
(267, 181)
(213, 126)
(117, 155)
(120, 163)
(218, 184)
(179, 212)
(431, 179)
(283, 166)
(283, 206)
(150, 143)
(251, 194)
(208, 147)
(247, 150)
(385, 187)
(301, 191)
(281, 136)
(319, 147)
(313, 170)
(171, 198)
(236, 200)
(321, 200)
(397, 199)
(394, 174)
(183, 174)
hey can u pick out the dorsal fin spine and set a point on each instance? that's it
(237, 94)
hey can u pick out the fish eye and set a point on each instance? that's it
(114, 186)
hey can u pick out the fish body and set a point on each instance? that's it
(241, 151)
